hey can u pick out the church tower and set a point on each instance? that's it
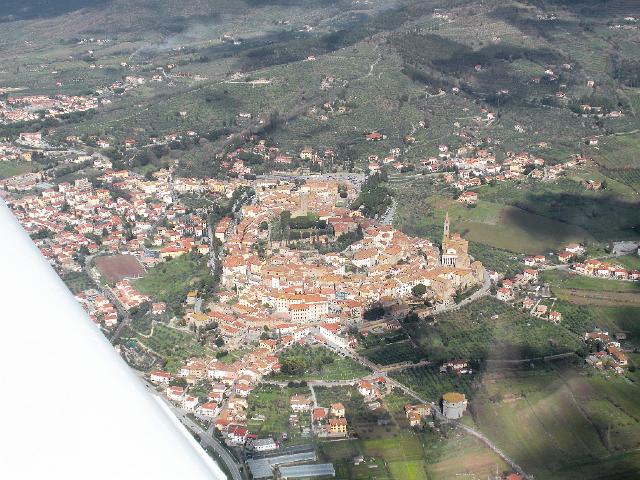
(445, 233)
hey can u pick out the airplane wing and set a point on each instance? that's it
(70, 407)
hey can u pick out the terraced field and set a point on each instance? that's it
(560, 423)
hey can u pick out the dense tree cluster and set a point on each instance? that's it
(375, 197)
(298, 360)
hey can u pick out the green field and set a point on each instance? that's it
(304, 363)
(498, 225)
(568, 280)
(586, 290)
(618, 159)
(631, 261)
(431, 384)
(272, 402)
(560, 423)
(619, 318)
(78, 281)
(397, 352)
(175, 346)
(587, 313)
(171, 280)
(514, 229)
(142, 323)
(490, 329)
(502, 261)
(604, 215)
(396, 452)
(11, 168)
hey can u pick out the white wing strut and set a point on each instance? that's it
(70, 408)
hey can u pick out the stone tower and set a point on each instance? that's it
(304, 203)
(445, 233)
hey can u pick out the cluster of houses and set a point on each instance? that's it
(571, 252)
(595, 267)
(33, 107)
(470, 167)
(459, 367)
(74, 218)
(416, 413)
(511, 289)
(608, 353)
(599, 268)
(11, 152)
(540, 310)
(510, 286)
(99, 308)
(282, 285)
(226, 404)
(128, 296)
(372, 391)
(326, 422)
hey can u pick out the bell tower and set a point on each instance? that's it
(445, 232)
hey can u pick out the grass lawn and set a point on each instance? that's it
(412, 455)
(171, 280)
(12, 168)
(410, 469)
(459, 455)
(631, 261)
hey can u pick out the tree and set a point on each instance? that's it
(201, 388)
(179, 382)
(419, 290)
(294, 365)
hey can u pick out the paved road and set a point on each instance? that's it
(313, 396)
(314, 383)
(387, 218)
(402, 366)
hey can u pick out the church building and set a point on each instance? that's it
(454, 248)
